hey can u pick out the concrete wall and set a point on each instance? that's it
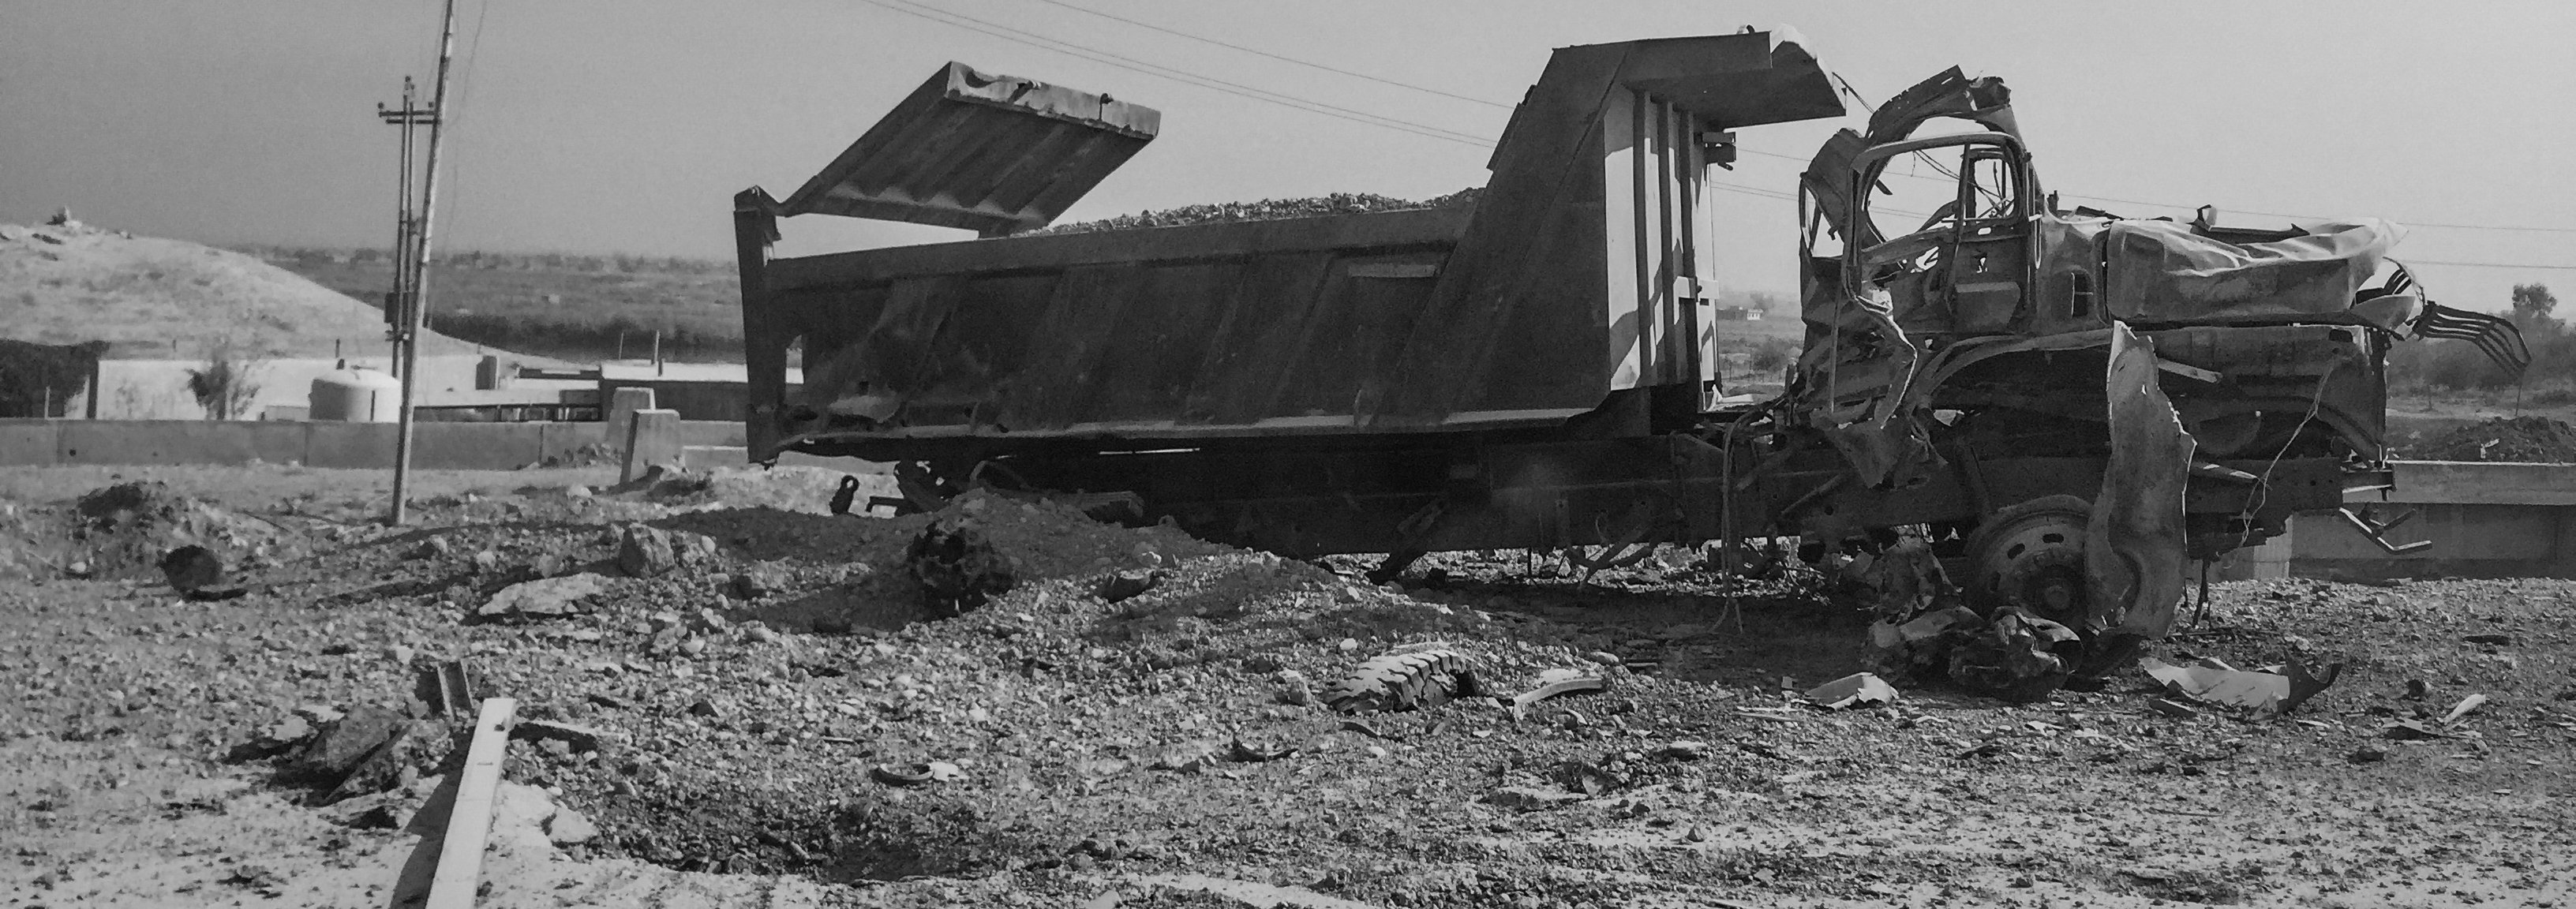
(157, 389)
(435, 446)
(2483, 519)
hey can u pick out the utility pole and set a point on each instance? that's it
(420, 264)
(399, 301)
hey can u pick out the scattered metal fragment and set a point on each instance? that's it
(2266, 693)
(447, 687)
(2467, 705)
(2016, 656)
(1556, 682)
(908, 775)
(1252, 754)
(2410, 730)
(2173, 708)
(1851, 690)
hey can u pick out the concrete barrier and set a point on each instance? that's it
(30, 442)
(365, 446)
(561, 440)
(500, 445)
(622, 405)
(653, 437)
(175, 442)
(2484, 520)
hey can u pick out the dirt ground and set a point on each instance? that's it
(1148, 753)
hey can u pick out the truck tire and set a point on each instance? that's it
(2031, 554)
(1402, 681)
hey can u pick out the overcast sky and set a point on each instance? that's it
(627, 125)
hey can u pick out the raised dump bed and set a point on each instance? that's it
(1570, 288)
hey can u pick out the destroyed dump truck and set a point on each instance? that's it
(2061, 407)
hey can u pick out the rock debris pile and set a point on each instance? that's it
(2521, 439)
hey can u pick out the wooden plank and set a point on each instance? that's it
(460, 855)
(1428, 227)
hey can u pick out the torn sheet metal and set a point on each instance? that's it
(2017, 656)
(2162, 271)
(2265, 693)
(1949, 93)
(2133, 546)
(1853, 690)
(990, 153)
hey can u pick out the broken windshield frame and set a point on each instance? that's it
(1873, 259)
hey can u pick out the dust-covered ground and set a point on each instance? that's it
(767, 716)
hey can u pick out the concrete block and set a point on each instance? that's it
(350, 445)
(476, 446)
(653, 437)
(623, 402)
(30, 443)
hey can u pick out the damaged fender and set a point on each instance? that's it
(2133, 546)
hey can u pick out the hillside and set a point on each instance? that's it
(157, 298)
(578, 307)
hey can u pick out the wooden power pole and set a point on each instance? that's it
(410, 328)
(398, 302)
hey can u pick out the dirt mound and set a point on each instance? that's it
(1266, 210)
(122, 531)
(2538, 440)
(70, 283)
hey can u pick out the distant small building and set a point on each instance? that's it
(1738, 314)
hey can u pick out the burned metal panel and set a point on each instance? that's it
(1523, 315)
(1172, 332)
(1146, 372)
(1426, 228)
(990, 153)
(1448, 319)
(983, 345)
(2163, 272)
(1263, 333)
(1079, 325)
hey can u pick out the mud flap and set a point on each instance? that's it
(2133, 546)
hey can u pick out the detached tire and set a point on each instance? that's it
(1402, 681)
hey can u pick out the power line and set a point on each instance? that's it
(2415, 261)
(1132, 64)
(1280, 57)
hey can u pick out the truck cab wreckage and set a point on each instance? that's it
(2056, 410)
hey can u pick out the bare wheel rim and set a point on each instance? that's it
(2031, 555)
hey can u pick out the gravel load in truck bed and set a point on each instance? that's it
(1265, 210)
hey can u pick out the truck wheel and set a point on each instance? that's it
(2031, 555)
